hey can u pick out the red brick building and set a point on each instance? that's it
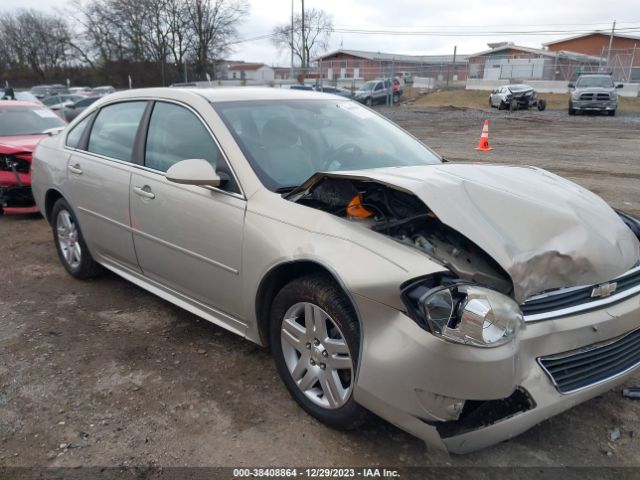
(363, 65)
(623, 59)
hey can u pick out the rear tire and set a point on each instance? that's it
(315, 337)
(502, 105)
(72, 249)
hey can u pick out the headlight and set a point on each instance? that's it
(575, 96)
(466, 313)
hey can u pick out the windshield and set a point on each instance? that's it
(288, 141)
(15, 121)
(602, 81)
(368, 86)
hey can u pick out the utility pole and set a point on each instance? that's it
(613, 29)
(291, 73)
(304, 42)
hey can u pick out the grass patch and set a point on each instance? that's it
(480, 99)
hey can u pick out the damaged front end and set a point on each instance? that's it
(15, 182)
(519, 231)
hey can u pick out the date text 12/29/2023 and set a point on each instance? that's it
(315, 473)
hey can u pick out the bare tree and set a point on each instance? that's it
(317, 31)
(35, 40)
(213, 24)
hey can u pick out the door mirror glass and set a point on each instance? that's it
(620, 85)
(571, 85)
(195, 171)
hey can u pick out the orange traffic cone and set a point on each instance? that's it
(483, 144)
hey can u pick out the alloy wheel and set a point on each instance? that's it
(317, 355)
(68, 240)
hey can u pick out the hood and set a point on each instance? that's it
(20, 144)
(594, 89)
(544, 231)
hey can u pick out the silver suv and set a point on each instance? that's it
(594, 93)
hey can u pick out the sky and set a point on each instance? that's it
(505, 20)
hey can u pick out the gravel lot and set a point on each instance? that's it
(102, 373)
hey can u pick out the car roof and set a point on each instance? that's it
(228, 94)
(19, 103)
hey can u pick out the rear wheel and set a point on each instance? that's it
(70, 244)
(315, 339)
(502, 105)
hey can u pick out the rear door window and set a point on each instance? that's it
(114, 130)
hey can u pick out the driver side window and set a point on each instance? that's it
(174, 134)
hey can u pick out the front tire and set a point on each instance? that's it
(70, 244)
(611, 113)
(572, 111)
(315, 340)
(542, 105)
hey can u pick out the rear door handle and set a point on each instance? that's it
(75, 169)
(144, 192)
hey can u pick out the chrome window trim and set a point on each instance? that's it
(240, 195)
(584, 306)
(582, 350)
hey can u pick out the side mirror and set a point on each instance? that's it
(194, 172)
(571, 85)
(620, 85)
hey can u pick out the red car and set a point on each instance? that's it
(22, 126)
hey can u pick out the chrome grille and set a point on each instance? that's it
(561, 302)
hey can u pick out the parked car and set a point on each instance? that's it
(60, 102)
(464, 302)
(105, 90)
(44, 91)
(377, 91)
(594, 93)
(22, 126)
(75, 109)
(343, 92)
(516, 97)
(81, 91)
(5, 94)
(41, 91)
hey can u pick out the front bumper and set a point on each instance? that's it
(594, 105)
(15, 194)
(420, 382)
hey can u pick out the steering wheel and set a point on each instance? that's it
(343, 154)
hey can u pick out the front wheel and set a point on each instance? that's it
(572, 111)
(315, 339)
(611, 113)
(542, 105)
(70, 244)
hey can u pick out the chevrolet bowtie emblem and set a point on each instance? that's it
(604, 289)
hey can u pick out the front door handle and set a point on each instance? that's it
(75, 169)
(144, 192)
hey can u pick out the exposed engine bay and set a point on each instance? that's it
(407, 219)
